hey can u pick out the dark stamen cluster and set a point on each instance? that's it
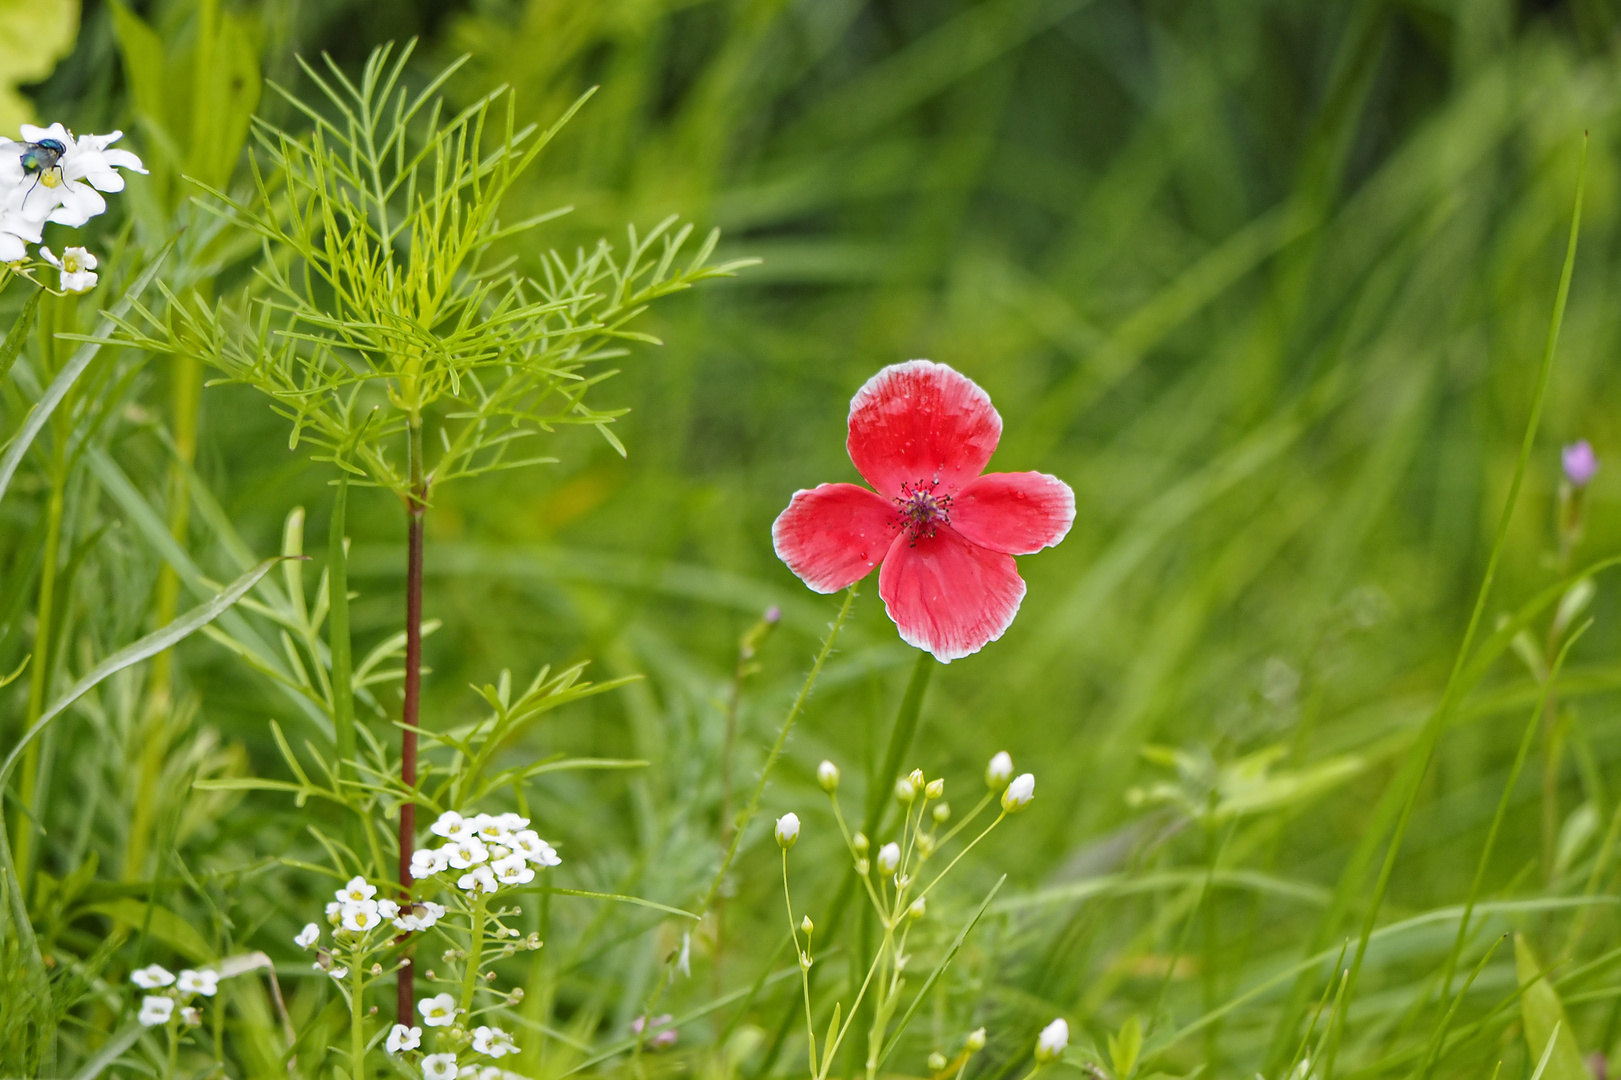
(921, 509)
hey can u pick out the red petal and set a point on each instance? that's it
(921, 423)
(948, 596)
(1018, 513)
(833, 535)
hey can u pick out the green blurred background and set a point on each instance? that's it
(1265, 281)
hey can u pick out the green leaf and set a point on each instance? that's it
(1125, 1047)
(165, 925)
(1544, 1018)
(34, 35)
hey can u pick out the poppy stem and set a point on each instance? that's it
(416, 507)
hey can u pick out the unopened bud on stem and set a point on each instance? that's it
(999, 771)
(827, 774)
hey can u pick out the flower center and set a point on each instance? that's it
(50, 177)
(921, 509)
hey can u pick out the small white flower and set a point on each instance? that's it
(787, 830)
(889, 858)
(510, 822)
(999, 771)
(827, 774)
(338, 973)
(464, 853)
(307, 936)
(361, 916)
(1052, 1041)
(151, 977)
(493, 1041)
(439, 1066)
(334, 913)
(423, 914)
(451, 826)
(155, 1011)
(77, 266)
(206, 983)
(356, 890)
(1019, 793)
(478, 879)
(438, 1011)
(488, 1072)
(387, 908)
(402, 1038)
(536, 850)
(191, 1017)
(512, 870)
(426, 862)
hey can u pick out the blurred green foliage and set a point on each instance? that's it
(1267, 283)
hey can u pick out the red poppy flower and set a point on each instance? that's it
(920, 434)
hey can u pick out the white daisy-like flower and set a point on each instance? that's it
(535, 849)
(206, 983)
(356, 890)
(512, 870)
(464, 853)
(426, 862)
(155, 1010)
(77, 266)
(307, 936)
(452, 826)
(388, 908)
(478, 879)
(438, 1011)
(402, 1038)
(361, 916)
(151, 977)
(439, 1066)
(68, 193)
(493, 1042)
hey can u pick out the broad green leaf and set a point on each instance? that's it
(1543, 1014)
(165, 926)
(1125, 1047)
(34, 35)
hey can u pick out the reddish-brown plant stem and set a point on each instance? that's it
(416, 507)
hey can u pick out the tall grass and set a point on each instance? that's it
(1268, 284)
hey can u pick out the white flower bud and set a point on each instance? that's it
(861, 843)
(1019, 793)
(787, 830)
(1053, 1040)
(827, 774)
(917, 908)
(999, 771)
(904, 790)
(942, 813)
(807, 926)
(862, 866)
(935, 789)
(889, 858)
(937, 1062)
(916, 777)
(975, 1041)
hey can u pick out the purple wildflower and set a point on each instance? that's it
(1580, 463)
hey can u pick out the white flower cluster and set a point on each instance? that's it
(158, 1009)
(358, 912)
(440, 1011)
(493, 850)
(54, 176)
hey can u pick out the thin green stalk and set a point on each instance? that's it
(776, 750)
(1498, 817)
(39, 677)
(475, 953)
(1437, 721)
(802, 957)
(357, 1022)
